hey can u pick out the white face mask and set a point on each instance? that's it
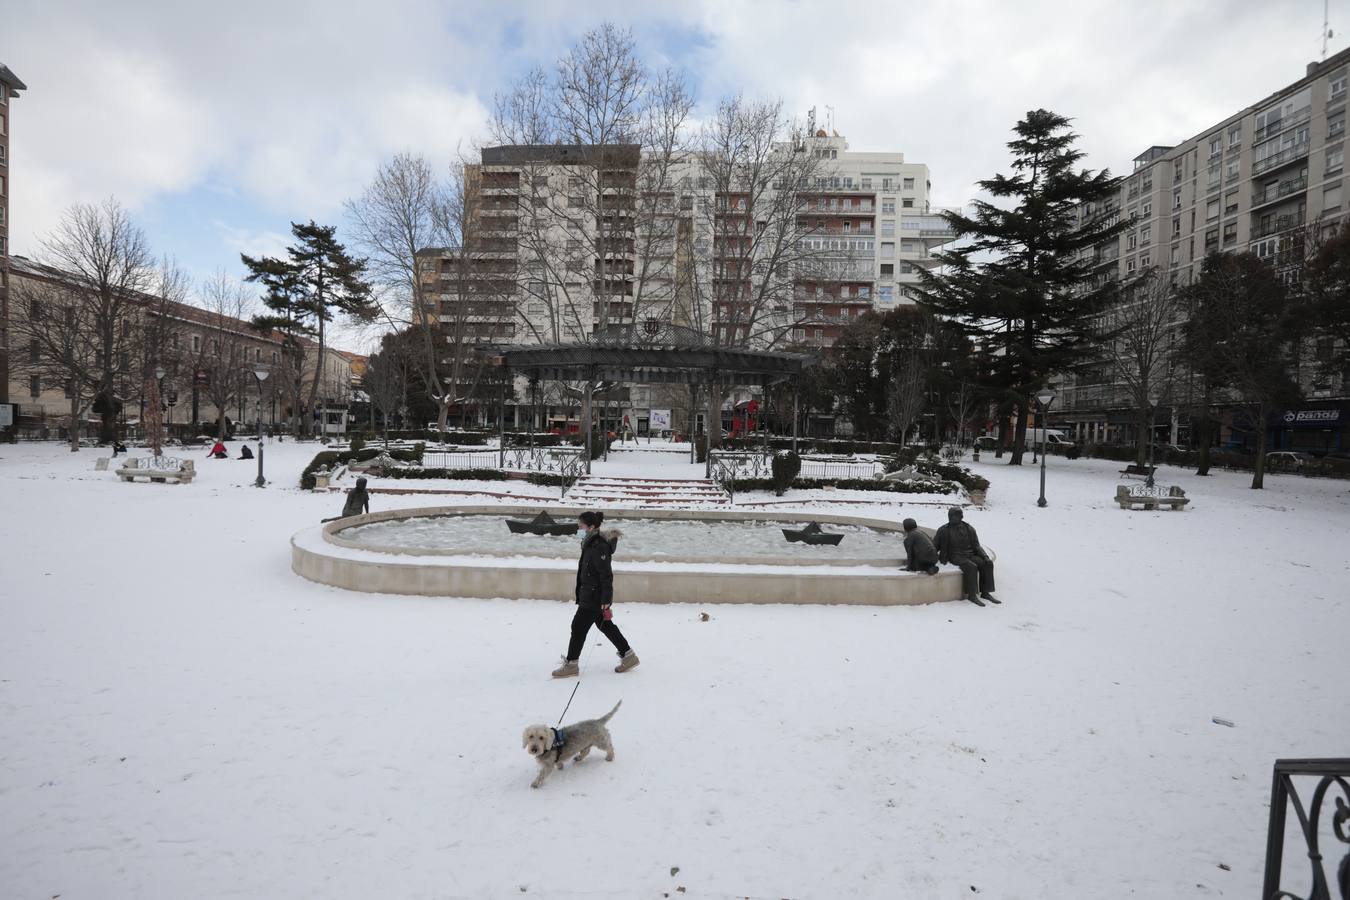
(582, 534)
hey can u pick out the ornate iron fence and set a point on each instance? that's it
(1333, 776)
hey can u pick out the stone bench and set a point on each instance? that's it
(1139, 497)
(161, 470)
(1133, 471)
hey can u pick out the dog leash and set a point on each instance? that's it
(581, 670)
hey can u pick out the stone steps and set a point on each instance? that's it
(647, 491)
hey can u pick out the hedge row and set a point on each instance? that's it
(840, 446)
(851, 484)
(333, 458)
(454, 474)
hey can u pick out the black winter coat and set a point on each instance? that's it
(595, 578)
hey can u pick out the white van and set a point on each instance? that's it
(1053, 438)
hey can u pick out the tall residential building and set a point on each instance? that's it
(10, 86)
(566, 242)
(1254, 181)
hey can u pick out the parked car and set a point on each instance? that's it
(1288, 460)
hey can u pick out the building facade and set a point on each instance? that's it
(192, 347)
(565, 244)
(10, 86)
(1256, 181)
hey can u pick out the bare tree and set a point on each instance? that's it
(387, 375)
(160, 348)
(56, 340)
(222, 357)
(400, 219)
(108, 261)
(908, 394)
(1146, 323)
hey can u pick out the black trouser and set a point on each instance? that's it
(977, 574)
(581, 623)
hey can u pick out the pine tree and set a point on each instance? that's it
(318, 281)
(1020, 279)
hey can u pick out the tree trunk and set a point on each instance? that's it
(1019, 437)
(1259, 464)
(1206, 439)
(1002, 439)
(1145, 434)
(714, 414)
(318, 374)
(74, 430)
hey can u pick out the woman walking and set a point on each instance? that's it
(595, 593)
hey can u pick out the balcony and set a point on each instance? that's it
(1283, 158)
(1278, 224)
(926, 226)
(1276, 192)
(1274, 128)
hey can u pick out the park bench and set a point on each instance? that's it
(1133, 471)
(1132, 496)
(162, 469)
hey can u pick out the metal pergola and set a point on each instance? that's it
(678, 356)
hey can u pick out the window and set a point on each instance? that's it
(1211, 239)
(888, 228)
(907, 203)
(34, 386)
(888, 184)
(1176, 226)
(887, 270)
(1176, 199)
(34, 354)
(886, 293)
(2, 185)
(173, 340)
(215, 347)
(906, 269)
(2, 95)
(1214, 171)
(68, 388)
(867, 184)
(1145, 260)
(1145, 236)
(1131, 241)
(799, 334)
(1336, 87)
(1216, 145)
(1335, 160)
(35, 310)
(2, 154)
(1146, 209)
(888, 249)
(1235, 135)
(909, 184)
(196, 343)
(1230, 169)
(1336, 126)
(1176, 254)
(1230, 203)
(1211, 210)
(2, 124)
(1331, 199)
(1130, 264)
(888, 207)
(275, 360)
(908, 247)
(1230, 233)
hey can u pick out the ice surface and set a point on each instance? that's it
(641, 538)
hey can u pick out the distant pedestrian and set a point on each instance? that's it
(920, 554)
(594, 595)
(958, 545)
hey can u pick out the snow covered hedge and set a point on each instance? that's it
(454, 474)
(851, 484)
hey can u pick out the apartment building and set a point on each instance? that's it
(193, 340)
(1254, 181)
(568, 242)
(10, 86)
(871, 213)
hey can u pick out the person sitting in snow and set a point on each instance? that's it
(958, 545)
(245, 453)
(119, 447)
(920, 554)
(218, 451)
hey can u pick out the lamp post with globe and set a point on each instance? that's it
(1044, 398)
(261, 374)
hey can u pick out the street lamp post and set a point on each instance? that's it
(1045, 398)
(159, 387)
(261, 374)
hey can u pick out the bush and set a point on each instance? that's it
(331, 459)
(358, 443)
(850, 484)
(457, 474)
(786, 466)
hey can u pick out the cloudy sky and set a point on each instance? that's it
(220, 123)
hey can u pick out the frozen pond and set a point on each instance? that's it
(642, 538)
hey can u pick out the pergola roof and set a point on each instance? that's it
(654, 363)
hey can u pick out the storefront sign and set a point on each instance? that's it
(8, 411)
(1312, 416)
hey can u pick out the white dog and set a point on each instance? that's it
(550, 746)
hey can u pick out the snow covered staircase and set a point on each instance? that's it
(647, 491)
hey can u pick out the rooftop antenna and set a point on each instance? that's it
(829, 118)
(811, 122)
(1326, 27)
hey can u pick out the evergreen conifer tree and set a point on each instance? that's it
(1019, 278)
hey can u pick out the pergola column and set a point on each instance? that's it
(586, 416)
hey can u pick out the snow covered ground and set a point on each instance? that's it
(184, 717)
